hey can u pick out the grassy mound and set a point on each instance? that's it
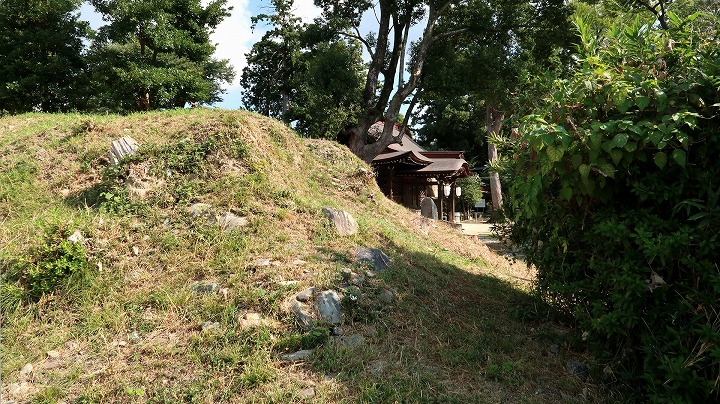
(120, 316)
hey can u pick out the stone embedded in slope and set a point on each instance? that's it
(344, 222)
(328, 306)
(297, 356)
(303, 316)
(200, 209)
(305, 295)
(229, 221)
(202, 287)
(121, 148)
(376, 258)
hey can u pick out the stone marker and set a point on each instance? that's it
(376, 258)
(328, 306)
(344, 222)
(121, 148)
(428, 208)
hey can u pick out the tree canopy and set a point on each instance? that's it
(41, 62)
(157, 54)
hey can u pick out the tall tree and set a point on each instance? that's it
(272, 62)
(302, 74)
(500, 49)
(329, 86)
(157, 54)
(389, 48)
(41, 62)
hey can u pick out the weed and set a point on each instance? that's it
(48, 266)
(499, 372)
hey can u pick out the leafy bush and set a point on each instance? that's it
(46, 269)
(614, 199)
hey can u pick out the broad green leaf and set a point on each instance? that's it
(566, 193)
(655, 137)
(554, 153)
(576, 160)
(680, 157)
(642, 102)
(683, 138)
(584, 171)
(607, 169)
(620, 139)
(616, 155)
(631, 146)
(660, 159)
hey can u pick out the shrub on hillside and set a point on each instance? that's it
(47, 268)
(614, 193)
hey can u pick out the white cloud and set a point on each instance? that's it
(234, 38)
(306, 10)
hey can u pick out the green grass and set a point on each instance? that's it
(462, 328)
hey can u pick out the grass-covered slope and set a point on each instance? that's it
(117, 316)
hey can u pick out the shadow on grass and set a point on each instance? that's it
(452, 335)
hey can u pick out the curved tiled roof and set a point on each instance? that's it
(418, 161)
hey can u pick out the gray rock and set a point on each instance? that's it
(370, 274)
(288, 283)
(121, 148)
(200, 209)
(578, 369)
(210, 325)
(229, 221)
(299, 262)
(305, 295)
(262, 262)
(53, 354)
(204, 287)
(344, 222)
(306, 393)
(26, 370)
(328, 305)
(76, 237)
(428, 208)
(297, 356)
(356, 279)
(386, 296)
(554, 349)
(374, 257)
(251, 319)
(303, 317)
(21, 390)
(353, 341)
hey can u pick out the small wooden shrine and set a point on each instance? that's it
(407, 173)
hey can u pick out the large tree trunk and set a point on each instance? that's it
(494, 123)
(381, 101)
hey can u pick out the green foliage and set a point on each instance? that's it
(302, 74)
(472, 190)
(614, 199)
(503, 47)
(41, 61)
(46, 269)
(156, 54)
